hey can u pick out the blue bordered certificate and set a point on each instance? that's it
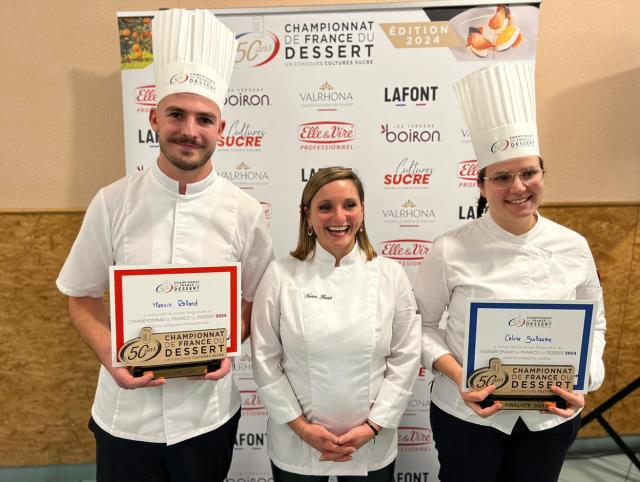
(529, 332)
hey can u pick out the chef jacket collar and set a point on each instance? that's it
(325, 257)
(173, 185)
(495, 227)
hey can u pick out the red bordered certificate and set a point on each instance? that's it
(174, 299)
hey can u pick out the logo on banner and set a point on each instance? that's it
(408, 174)
(411, 477)
(245, 177)
(326, 98)
(467, 212)
(308, 173)
(326, 135)
(250, 477)
(241, 136)
(266, 208)
(250, 440)
(465, 136)
(242, 367)
(144, 98)
(410, 134)
(414, 439)
(251, 404)
(408, 252)
(419, 96)
(148, 136)
(468, 172)
(247, 97)
(258, 47)
(329, 43)
(408, 215)
(180, 78)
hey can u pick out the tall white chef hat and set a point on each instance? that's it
(192, 52)
(499, 107)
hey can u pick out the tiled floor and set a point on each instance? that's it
(608, 468)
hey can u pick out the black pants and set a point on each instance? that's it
(472, 452)
(205, 458)
(384, 474)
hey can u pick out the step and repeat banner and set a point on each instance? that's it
(368, 88)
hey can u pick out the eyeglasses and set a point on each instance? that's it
(531, 176)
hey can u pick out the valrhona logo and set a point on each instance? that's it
(329, 44)
(409, 215)
(324, 135)
(245, 177)
(408, 174)
(326, 98)
(413, 134)
(241, 136)
(405, 250)
(412, 436)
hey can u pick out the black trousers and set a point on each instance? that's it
(472, 452)
(384, 474)
(205, 458)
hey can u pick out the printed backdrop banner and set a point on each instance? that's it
(370, 89)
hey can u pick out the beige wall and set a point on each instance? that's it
(61, 121)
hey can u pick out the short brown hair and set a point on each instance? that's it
(307, 243)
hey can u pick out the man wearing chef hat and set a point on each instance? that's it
(177, 212)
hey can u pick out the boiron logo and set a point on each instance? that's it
(145, 95)
(326, 135)
(413, 436)
(250, 400)
(257, 48)
(405, 249)
(419, 133)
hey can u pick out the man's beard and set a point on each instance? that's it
(179, 162)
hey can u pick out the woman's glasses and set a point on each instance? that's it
(531, 176)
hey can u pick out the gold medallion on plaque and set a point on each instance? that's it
(523, 387)
(175, 354)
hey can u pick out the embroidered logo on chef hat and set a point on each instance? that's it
(499, 107)
(193, 52)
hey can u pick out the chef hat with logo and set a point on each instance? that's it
(192, 52)
(499, 107)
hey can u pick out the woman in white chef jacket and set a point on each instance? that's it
(510, 253)
(335, 342)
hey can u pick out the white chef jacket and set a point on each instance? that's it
(142, 219)
(339, 344)
(483, 260)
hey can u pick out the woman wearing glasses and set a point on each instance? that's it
(511, 252)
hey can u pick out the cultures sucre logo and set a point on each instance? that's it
(416, 95)
(331, 43)
(326, 98)
(408, 174)
(241, 136)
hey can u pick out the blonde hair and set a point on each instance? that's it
(306, 242)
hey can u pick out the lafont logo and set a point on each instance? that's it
(405, 95)
(180, 78)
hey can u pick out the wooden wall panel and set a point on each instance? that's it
(49, 376)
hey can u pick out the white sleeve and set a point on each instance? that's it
(433, 294)
(86, 270)
(257, 252)
(274, 388)
(591, 290)
(404, 359)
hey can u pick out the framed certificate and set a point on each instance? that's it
(526, 346)
(174, 315)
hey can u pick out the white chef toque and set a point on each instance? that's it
(192, 52)
(499, 107)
